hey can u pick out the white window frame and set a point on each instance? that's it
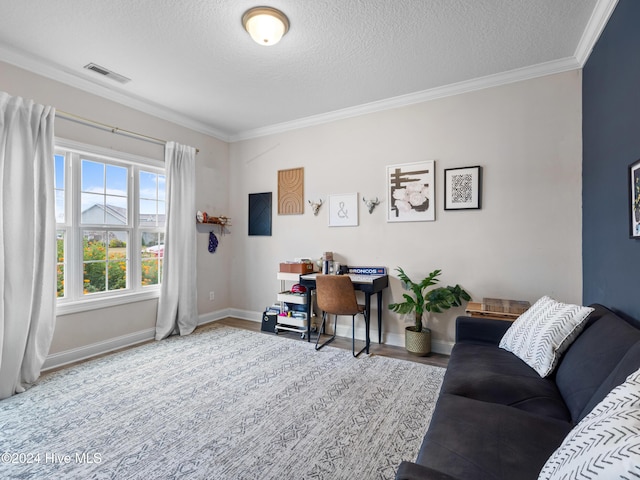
(74, 299)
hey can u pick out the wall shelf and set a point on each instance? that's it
(222, 222)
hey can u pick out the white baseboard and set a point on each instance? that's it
(214, 316)
(85, 352)
(66, 357)
(395, 339)
(442, 347)
(245, 314)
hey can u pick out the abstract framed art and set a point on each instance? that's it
(291, 191)
(411, 192)
(260, 214)
(463, 188)
(634, 200)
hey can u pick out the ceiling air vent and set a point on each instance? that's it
(107, 73)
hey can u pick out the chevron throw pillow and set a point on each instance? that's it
(541, 334)
(606, 443)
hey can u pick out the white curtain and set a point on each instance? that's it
(177, 307)
(27, 241)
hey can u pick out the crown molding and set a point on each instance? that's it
(512, 76)
(596, 24)
(594, 28)
(49, 70)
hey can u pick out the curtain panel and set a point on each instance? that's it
(177, 306)
(27, 241)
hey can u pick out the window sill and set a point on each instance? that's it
(68, 307)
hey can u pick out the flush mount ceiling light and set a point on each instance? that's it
(266, 25)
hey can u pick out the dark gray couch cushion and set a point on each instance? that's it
(480, 330)
(490, 374)
(629, 364)
(474, 440)
(590, 360)
(413, 471)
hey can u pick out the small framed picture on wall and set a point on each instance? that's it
(634, 200)
(343, 210)
(463, 188)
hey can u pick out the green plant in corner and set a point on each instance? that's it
(435, 300)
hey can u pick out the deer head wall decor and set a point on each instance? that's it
(315, 206)
(371, 204)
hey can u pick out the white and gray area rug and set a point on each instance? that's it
(222, 403)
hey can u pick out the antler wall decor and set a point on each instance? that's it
(371, 204)
(315, 206)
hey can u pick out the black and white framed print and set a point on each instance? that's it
(634, 199)
(411, 192)
(462, 188)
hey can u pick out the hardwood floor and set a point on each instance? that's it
(340, 342)
(392, 351)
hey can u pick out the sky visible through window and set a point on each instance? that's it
(106, 185)
(59, 188)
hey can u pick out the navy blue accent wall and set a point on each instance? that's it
(611, 141)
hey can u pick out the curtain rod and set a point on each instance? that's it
(111, 128)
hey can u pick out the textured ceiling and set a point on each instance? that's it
(191, 61)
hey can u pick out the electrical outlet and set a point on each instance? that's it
(212, 296)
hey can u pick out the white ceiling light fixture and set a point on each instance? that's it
(266, 25)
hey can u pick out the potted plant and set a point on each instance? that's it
(436, 300)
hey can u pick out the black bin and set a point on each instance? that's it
(269, 320)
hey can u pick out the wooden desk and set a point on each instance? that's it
(369, 284)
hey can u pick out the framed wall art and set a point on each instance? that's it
(260, 214)
(634, 200)
(343, 210)
(411, 192)
(291, 191)
(462, 188)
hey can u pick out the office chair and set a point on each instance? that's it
(336, 296)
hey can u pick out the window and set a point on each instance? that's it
(151, 222)
(59, 177)
(110, 214)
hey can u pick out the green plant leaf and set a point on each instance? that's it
(435, 300)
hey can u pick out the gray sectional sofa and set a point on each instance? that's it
(496, 418)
